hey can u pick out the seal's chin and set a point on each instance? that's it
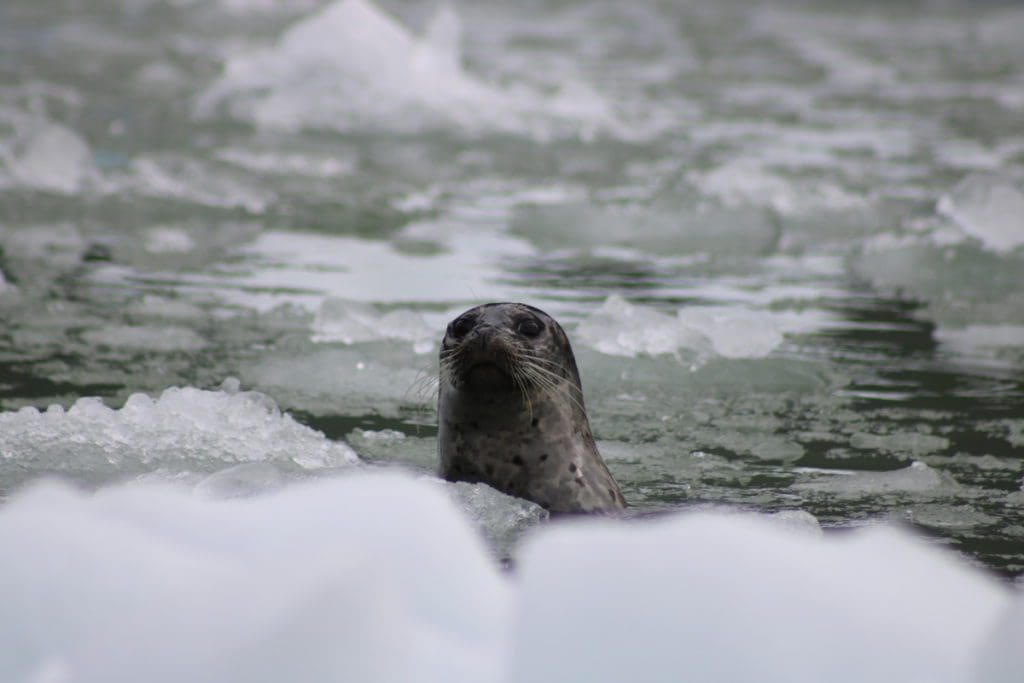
(487, 374)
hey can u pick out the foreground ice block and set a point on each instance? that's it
(733, 598)
(376, 577)
(367, 578)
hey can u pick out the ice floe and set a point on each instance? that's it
(351, 65)
(183, 428)
(376, 577)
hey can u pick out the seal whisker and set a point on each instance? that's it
(553, 387)
(521, 383)
(424, 387)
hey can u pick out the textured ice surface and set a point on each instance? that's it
(988, 208)
(379, 578)
(184, 428)
(501, 519)
(620, 328)
(352, 66)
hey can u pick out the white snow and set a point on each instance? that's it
(381, 578)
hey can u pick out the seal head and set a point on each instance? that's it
(511, 412)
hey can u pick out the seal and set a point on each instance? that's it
(511, 414)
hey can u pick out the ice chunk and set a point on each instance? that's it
(624, 329)
(916, 478)
(166, 239)
(659, 229)
(303, 269)
(47, 156)
(350, 322)
(501, 519)
(999, 660)
(983, 340)
(727, 598)
(319, 580)
(989, 208)
(374, 378)
(241, 481)
(914, 443)
(148, 338)
(620, 328)
(314, 583)
(352, 66)
(183, 428)
(187, 179)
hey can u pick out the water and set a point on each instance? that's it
(787, 241)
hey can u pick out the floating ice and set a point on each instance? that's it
(501, 519)
(352, 66)
(659, 230)
(379, 578)
(917, 477)
(620, 328)
(900, 442)
(986, 340)
(351, 322)
(47, 156)
(166, 239)
(186, 179)
(738, 599)
(374, 378)
(162, 338)
(184, 427)
(963, 283)
(358, 579)
(989, 208)
(303, 269)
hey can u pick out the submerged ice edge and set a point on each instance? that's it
(379, 559)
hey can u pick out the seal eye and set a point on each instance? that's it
(529, 327)
(459, 328)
